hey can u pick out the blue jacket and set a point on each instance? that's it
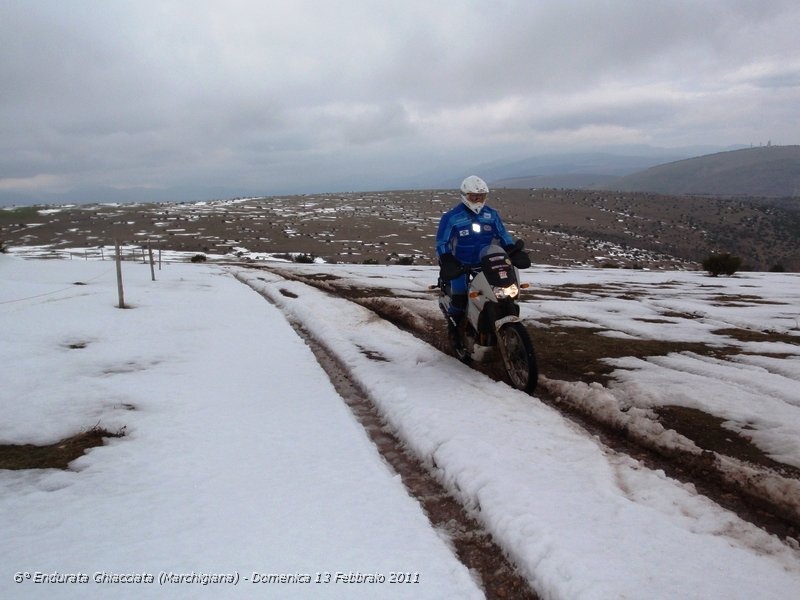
(464, 234)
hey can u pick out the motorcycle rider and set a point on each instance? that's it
(464, 231)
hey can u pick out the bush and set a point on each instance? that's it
(718, 264)
(198, 258)
(405, 260)
(304, 258)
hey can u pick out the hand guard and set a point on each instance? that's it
(450, 267)
(519, 259)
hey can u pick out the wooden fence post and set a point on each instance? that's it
(119, 275)
(152, 265)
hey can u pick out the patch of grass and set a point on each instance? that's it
(749, 335)
(707, 431)
(577, 353)
(358, 293)
(679, 315)
(546, 293)
(53, 456)
(19, 215)
(657, 321)
(570, 290)
(584, 288)
(320, 276)
(742, 300)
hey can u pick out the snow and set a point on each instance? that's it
(240, 456)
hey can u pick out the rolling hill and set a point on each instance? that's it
(769, 171)
(763, 172)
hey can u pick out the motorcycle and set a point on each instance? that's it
(492, 322)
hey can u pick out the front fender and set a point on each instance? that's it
(509, 319)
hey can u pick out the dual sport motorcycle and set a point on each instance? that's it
(491, 322)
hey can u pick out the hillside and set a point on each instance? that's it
(576, 170)
(771, 171)
(574, 181)
(561, 227)
(634, 228)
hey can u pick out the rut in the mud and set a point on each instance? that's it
(472, 543)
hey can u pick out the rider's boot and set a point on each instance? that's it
(453, 326)
(455, 318)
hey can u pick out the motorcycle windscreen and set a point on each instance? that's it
(497, 267)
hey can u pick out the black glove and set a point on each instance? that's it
(519, 258)
(450, 267)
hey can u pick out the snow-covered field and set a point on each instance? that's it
(239, 457)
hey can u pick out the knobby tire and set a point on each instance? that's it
(519, 357)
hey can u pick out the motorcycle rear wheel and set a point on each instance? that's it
(519, 356)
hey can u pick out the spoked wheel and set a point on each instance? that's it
(518, 356)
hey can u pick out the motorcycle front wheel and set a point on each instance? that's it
(518, 356)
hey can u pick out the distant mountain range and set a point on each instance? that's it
(767, 171)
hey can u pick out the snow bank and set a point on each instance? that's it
(239, 457)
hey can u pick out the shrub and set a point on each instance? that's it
(718, 264)
(405, 260)
(370, 261)
(199, 258)
(304, 258)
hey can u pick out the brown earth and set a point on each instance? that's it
(53, 456)
(560, 227)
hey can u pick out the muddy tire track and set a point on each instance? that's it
(474, 546)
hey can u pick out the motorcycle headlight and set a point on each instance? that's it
(511, 291)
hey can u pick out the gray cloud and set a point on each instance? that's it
(184, 98)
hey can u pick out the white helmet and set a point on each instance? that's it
(473, 193)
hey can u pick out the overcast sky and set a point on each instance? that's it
(201, 99)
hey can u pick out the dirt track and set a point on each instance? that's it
(740, 493)
(472, 543)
